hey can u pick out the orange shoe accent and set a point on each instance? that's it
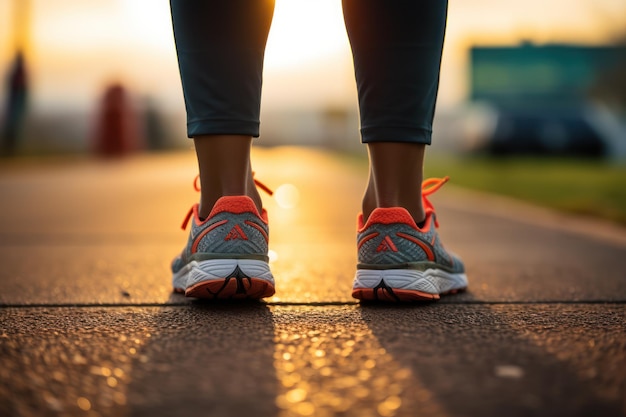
(259, 228)
(429, 186)
(236, 233)
(196, 241)
(386, 244)
(386, 216)
(366, 238)
(235, 205)
(188, 216)
(427, 249)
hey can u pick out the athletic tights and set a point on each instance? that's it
(396, 47)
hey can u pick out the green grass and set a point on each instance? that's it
(588, 187)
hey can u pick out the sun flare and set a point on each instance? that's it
(304, 31)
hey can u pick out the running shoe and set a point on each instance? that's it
(399, 261)
(226, 253)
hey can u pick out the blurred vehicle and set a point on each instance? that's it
(546, 133)
(588, 131)
(545, 100)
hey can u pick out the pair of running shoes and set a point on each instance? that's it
(226, 256)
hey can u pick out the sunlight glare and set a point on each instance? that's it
(149, 22)
(303, 31)
(287, 196)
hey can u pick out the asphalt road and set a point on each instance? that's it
(89, 326)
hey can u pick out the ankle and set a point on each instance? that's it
(409, 199)
(396, 172)
(225, 169)
(369, 203)
(208, 200)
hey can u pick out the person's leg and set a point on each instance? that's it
(397, 47)
(220, 48)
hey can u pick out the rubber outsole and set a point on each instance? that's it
(225, 279)
(403, 285)
(388, 294)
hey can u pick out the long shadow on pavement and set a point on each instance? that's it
(483, 360)
(212, 359)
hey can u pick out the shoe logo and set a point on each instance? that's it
(386, 245)
(236, 233)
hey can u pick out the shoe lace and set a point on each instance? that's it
(196, 186)
(429, 186)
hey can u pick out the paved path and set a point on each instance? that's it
(89, 326)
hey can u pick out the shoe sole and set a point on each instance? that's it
(406, 285)
(225, 279)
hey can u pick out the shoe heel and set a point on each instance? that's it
(230, 278)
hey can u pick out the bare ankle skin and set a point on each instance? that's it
(395, 178)
(225, 169)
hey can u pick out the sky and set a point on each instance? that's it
(76, 47)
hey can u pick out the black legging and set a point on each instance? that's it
(396, 46)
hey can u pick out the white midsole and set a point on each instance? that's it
(431, 281)
(217, 269)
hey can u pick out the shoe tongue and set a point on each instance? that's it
(234, 204)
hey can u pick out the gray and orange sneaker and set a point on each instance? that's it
(399, 261)
(226, 253)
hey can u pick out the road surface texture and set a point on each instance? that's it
(89, 325)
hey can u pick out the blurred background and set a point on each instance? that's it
(519, 78)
